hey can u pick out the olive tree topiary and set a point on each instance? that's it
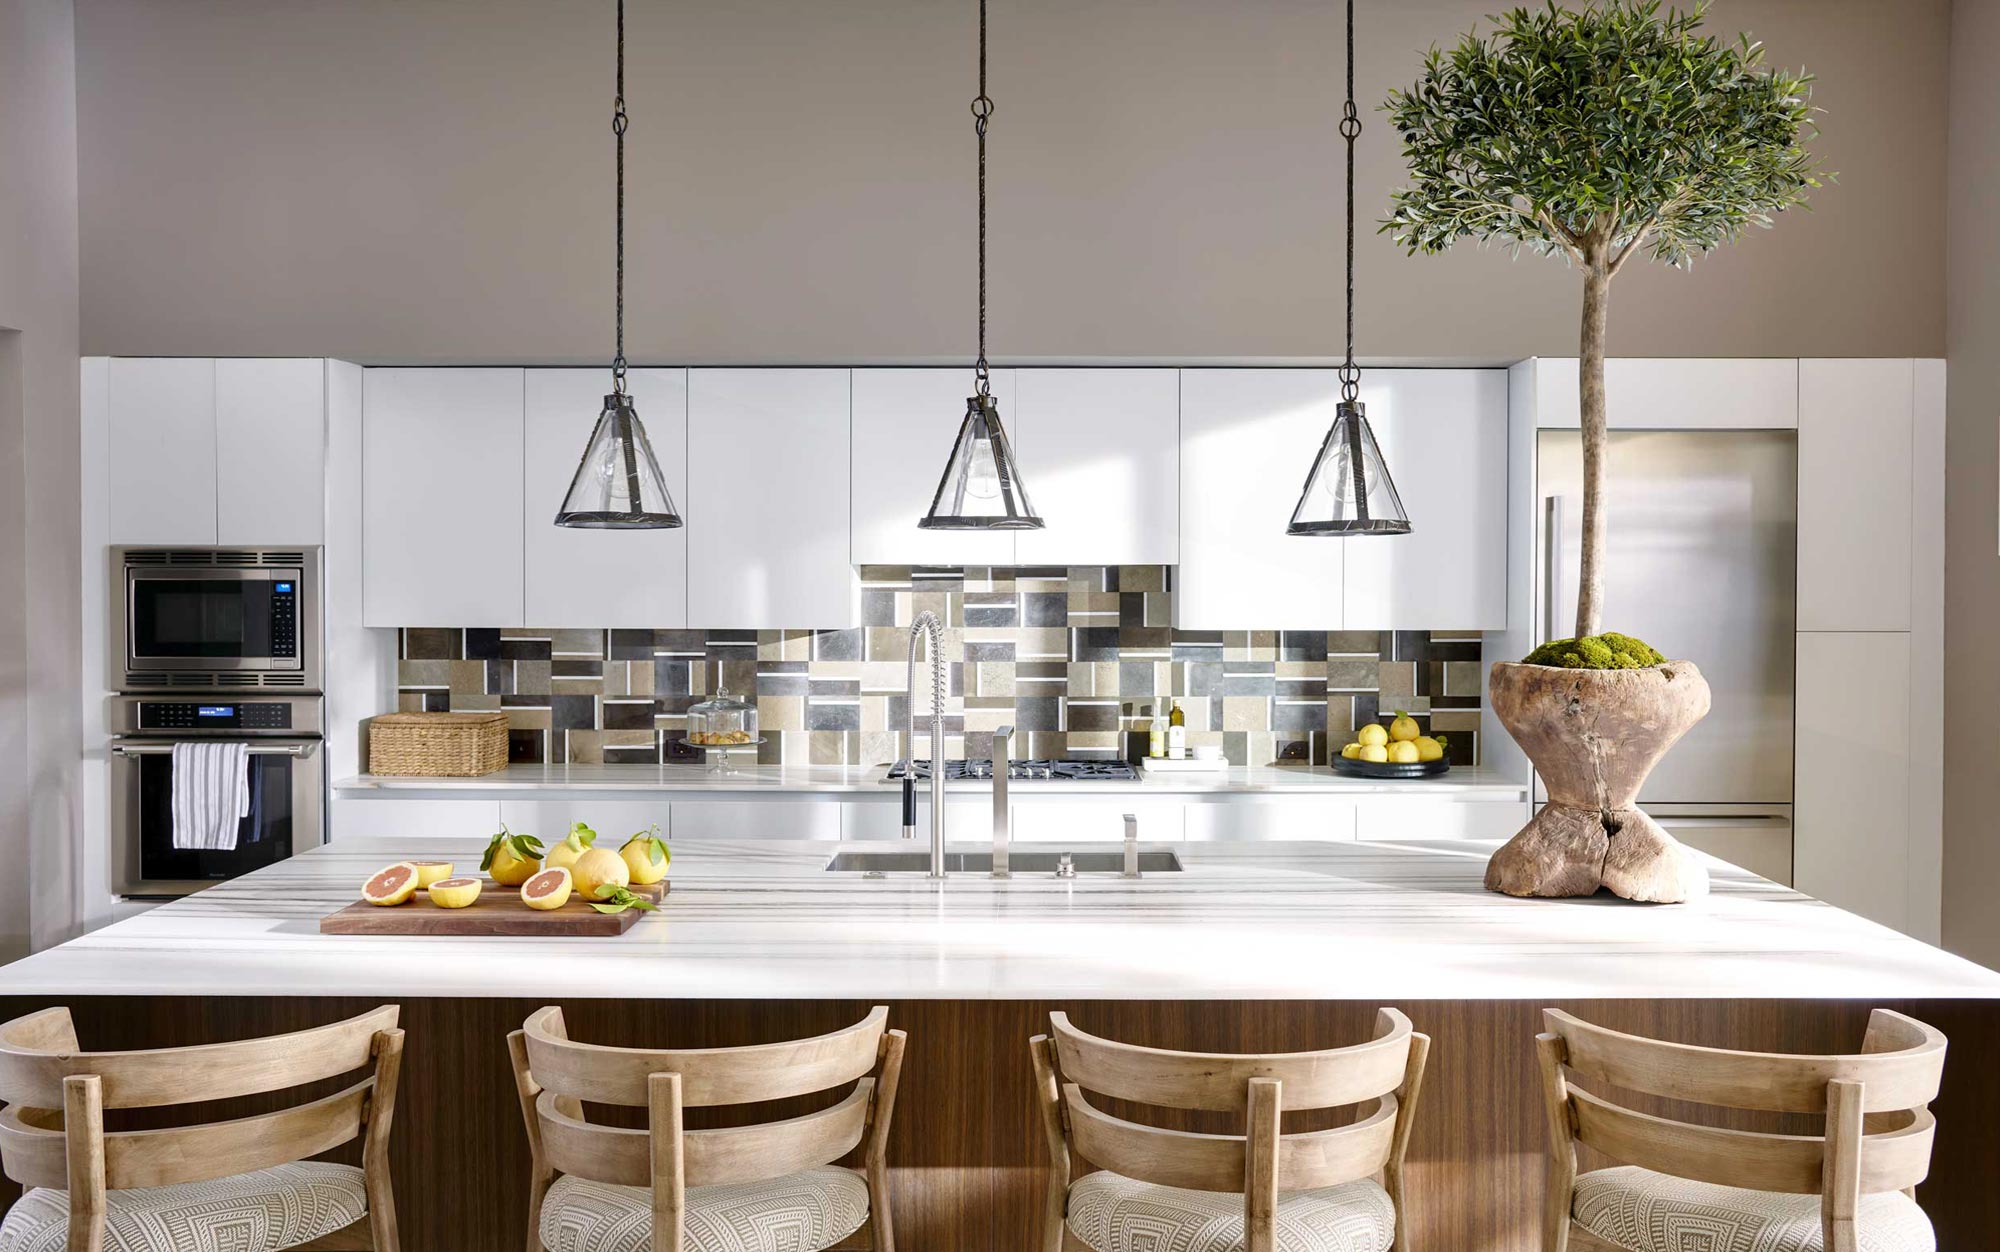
(1598, 134)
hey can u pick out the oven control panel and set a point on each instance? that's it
(214, 715)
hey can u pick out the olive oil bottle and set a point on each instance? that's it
(1177, 733)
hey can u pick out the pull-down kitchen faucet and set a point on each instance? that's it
(927, 626)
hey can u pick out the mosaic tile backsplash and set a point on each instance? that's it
(1073, 658)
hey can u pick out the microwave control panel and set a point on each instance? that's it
(285, 618)
(219, 715)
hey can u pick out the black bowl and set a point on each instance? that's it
(1386, 769)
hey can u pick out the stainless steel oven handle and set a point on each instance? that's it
(256, 749)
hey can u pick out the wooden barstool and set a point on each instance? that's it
(769, 1187)
(243, 1185)
(1263, 1189)
(1689, 1188)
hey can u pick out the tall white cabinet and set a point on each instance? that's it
(1100, 452)
(618, 578)
(768, 504)
(441, 494)
(1869, 806)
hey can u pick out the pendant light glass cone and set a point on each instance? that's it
(618, 486)
(981, 488)
(1349, 491)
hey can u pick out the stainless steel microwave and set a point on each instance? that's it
(216, 618)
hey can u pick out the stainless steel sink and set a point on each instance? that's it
(1018, 862)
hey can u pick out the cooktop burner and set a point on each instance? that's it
(1064, 770)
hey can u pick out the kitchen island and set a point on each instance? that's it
(1258, 947)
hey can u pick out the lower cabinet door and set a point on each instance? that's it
(1437, 817)
(615, 821)
(1851, 804)
(817, 818)
(1096, 821)
(401, 819)
(1277, 817)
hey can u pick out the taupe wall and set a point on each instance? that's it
(40, 666)
(412, 180)
(1972, 491)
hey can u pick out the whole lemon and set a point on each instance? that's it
(574, 845)
(512, 859)
(1403, 752)
(1375, 752)
(596, 867)
(1429, 749)
(647, 856)
(1352, 751)
(1372, 735)
(1404, 727)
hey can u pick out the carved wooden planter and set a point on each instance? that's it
(1594, 736)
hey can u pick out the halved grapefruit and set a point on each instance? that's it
(429, 872)
(454, 893)
(391, 886)
(547, 890)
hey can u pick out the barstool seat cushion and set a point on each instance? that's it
(1648, 1212)
(263, 1211)
(1113, 1213)
(802, 1212)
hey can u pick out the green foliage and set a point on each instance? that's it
(527, 847)
(612, 898)
(1599, 132)
(1605, 651)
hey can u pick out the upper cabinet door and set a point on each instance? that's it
(905, 421)
(1100, 454)
(1248, 438)
(1444, 437)
(767, 502)
(599, 578)
(160, 419)
(1857, 421)
(1669, 393)
(441, 497)
(270, 451)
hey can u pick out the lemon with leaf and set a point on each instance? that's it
(512, 859)
(573, 845)
(647, 856)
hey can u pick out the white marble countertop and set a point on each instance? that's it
(1380, 922)
(870, 781)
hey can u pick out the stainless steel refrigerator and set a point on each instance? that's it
(1702, 564)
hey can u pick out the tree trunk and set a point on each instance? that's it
(1590, 390)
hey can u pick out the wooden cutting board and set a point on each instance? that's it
(497, 911)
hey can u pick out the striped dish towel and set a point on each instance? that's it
(211, 795)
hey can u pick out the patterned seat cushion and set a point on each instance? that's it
(802, 1212)
(1648, 1212)
(1113, 1213)
(259, 1212)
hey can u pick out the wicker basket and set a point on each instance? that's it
(437, 745)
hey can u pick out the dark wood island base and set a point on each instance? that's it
(967, 1149)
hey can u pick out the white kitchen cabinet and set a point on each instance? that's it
(615, 821)
(416, 819)
(1100, 821)
(1409, 816)
(768, 500)
(1444, 437)
(1851, 811)
(1248, 438)
(441, 497)
(1856, 427)
(270, 451)
(1099, 451)
(968, 820)
(1265, 818)
(160, 450)
(1676, 393)
(808, 817)
(600, 578)
(904, 423)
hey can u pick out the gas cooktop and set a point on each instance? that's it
(1064, 770)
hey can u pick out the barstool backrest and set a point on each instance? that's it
(1383, 1075)
(558, 1075)
(1876, 1098)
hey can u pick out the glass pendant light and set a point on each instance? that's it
(1349, 491)
(618, 485)
(981, 488)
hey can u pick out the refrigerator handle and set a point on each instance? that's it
(1552, 515)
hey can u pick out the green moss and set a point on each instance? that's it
(1605, 651)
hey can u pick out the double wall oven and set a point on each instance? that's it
(215, 644)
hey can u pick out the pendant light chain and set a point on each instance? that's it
(619, 121)
(982, 109)
(1350, 129)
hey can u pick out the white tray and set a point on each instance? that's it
(1186, 765)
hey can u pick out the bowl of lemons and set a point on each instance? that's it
(1399, 750)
